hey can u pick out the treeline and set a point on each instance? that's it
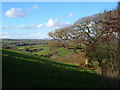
(98, 36)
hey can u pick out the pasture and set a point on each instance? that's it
(24, 70)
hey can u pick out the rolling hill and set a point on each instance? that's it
(23, 70)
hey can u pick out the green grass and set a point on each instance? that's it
(23, 70)
(44, 52)
(62, 52)
(33, 47)
(39, 46)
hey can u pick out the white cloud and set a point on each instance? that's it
(55, 24)
(64, 24)
(35, 6)
(39, 26)
(37, 35)
(51, 23)
(15, 12)
(71, 14)
(22, 27)
(1, 27)
(5, 35)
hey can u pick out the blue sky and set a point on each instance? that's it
(33, 20)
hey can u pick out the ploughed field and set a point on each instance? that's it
(24, 70)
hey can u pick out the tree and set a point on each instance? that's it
(99, 34)
(53, 45)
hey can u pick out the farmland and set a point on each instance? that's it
(39, 49)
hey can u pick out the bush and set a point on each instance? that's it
(53, 45)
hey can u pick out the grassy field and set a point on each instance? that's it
(23, 70)
(33, 47)
(61, 51)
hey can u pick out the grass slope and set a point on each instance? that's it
(21, 70)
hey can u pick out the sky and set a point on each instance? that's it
(33, 20)
(60, 0)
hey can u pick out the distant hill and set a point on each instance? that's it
(23, 42)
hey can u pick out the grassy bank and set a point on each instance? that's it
(21, 70)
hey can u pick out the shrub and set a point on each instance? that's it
(53, 45)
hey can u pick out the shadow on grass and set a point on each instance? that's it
(112, 82)
(28, 56)
(22, 70)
